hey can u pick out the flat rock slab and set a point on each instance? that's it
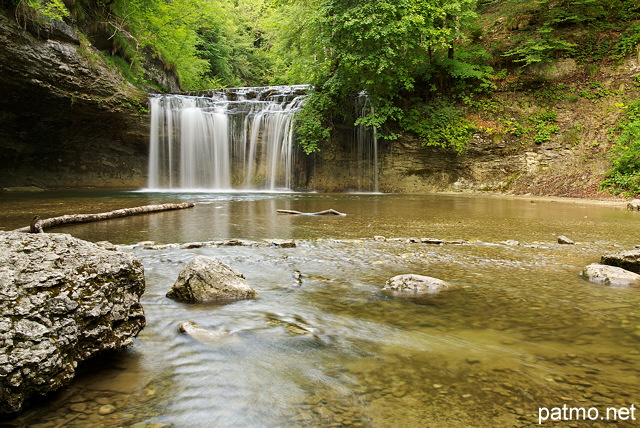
(611, 275)
(629, 260)
(415, 285)
(204, 279)
(62, 301)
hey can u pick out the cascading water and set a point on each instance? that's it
(239, 138)
(365, 147)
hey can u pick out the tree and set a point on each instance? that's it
(381, 47)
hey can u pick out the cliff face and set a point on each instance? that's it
(507, 152)
(66, 118)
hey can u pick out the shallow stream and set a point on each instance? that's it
(525, 331)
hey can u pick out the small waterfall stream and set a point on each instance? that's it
(240, 138)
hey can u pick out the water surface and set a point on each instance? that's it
(524, 331)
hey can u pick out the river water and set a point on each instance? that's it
(524, 330)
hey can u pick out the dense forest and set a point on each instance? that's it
(430, 68)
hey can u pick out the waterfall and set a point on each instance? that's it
(239, 138)
(365, 147)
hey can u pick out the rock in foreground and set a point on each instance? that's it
(629, 260)
(62, 301)
(205, 279)
(611, 275)
(415, 285)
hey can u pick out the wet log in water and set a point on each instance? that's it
(325, 212)
(87, 218)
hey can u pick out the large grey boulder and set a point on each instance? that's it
(204, 279)
(611, 275)
(629, 260)
(62, 301)
(414, 285)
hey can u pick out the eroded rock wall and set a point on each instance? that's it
(66, 118)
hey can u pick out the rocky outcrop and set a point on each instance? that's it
(66, 117)
(204, 279)
(611, 275)
(629, 260)
(414, 285)
(62, 301)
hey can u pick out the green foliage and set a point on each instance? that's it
(541, 48)
(440, 124)
(596, 91)
(49, 9)
(624, 177)
(209, 44)
(602, 19)
(545, 126)
(628, 42)
(296, 42)
(311, 126)
(388, 49)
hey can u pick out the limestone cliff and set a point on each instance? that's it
(505, 153)
(66, 117)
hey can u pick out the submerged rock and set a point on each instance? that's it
(199, 333)
(611, 275)
(62, 301)
(412, 285)
(205, 279)
(629, 260)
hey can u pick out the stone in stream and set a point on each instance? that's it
(629, 260)
(634, 205)
(414, 285)
(611, 275)
(204, 279)
(62, 302)
(565, 241)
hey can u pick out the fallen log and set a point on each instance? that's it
(87, 218)
(325, 212)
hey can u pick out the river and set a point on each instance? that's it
(523, 332)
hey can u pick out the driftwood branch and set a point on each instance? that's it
(325, 212)
(87, 218)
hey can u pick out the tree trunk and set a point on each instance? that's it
(87, 218)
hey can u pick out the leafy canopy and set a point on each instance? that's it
(384, 48)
